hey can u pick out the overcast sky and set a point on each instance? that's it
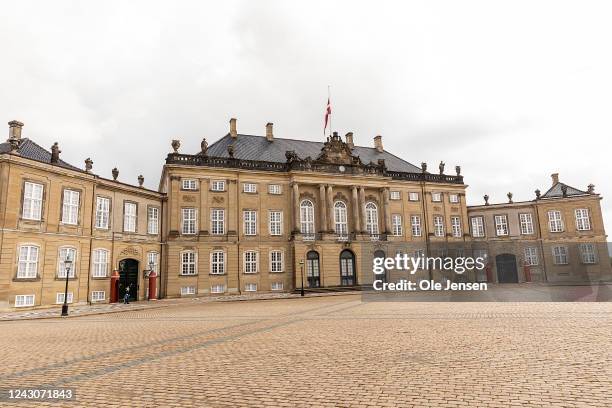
(511, 91)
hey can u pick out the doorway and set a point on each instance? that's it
(506, 268)
(128, 277)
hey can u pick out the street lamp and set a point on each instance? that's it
(302, 271)
(67, 265)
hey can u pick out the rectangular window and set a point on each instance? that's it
(70, 207)
(28, 262)
(501, 225)
(218, 185)
(217, 263)
(249, 187)
(129, 217)
(190, 184)
(276, 222)
(453, 198)
(436, 197)
(583, 223)
(438, 226)
(250, 222)
(153, 220)
(587, 252)
(274, 189)
(560, 255)
(98, 296)
(276, 286)
(526, 221)
(153, 261)
(32, 201)
(217, 221)
(188, 290)
(24, 300)
(59, 297)
(188, 263)
(217, 289)
(555, 223)
(276, 261)
(61, 262)
(100, 263)
(396, 220)
(189, 221)
(456, 226)
(531, 256)
(478, 230)
(395, 195)
(250, 262)
(102, 212)
(413, 196)
(250, 287)
(415, 225)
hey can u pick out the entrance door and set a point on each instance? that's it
(128, 277)
(506, 268)
(347, 268)
(313, 272)
(383, 276)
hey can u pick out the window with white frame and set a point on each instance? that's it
(396, 221)
(32, 201)
(70, 207)
(587, 252)
(395, 195)
(189, 221)
(307, 225)
(456, 227)
(415, 225)
(555, 223)
(98, 296)
(250, 262)
(583, 223)
(190, 184)
(24, 300)
(453, 198)
(28, 262)
(153, 220)
(560, 255)
(478, 230)
(436, 197)
(102, 212)
(276, 286)
(100, 263)
(250, 287)
(276, 261)
(217, 221)
(372, 218)
(217, 262)
(274, 189)
(501, 225)
(276, 222)
(413, 196)
(66, 253)
(217, 288)
(153, 260)
(188, 263)
(188, 290)
(531, 256)
(526, 221)
(59, 297)
(129, 216)
(249, 187)
(249, 218)
(218, 185)
(438, 225)
(340, 218)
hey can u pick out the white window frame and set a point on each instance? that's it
(153, 220)
(249, 222)
(27, 267)
(501, 225)
(217, 221)
(438, 221)
(340, 218)
(33, 194)
(555, 221)
(415, 226)
(456, 226)
(531, 256)
(583, 221)
(250, 262)
(307, 218)
(436, 197)
(395, 195)
(61, 257)
(98, 296)
(100, 263)
(153, 256)
(189, 184)
(189, 220)
(588, 253)
(188, 290)
(275, 222)
(217, 262)
(217, 288)
(250, 287)
(526, 223)
(217, 185)
(396, 223)
(130, 218)
(372, 218)
(277, 265)
(560, 255)
(189, 263)
(20, 300)
(250, 188)
(70, 206)
(277, 286)
(102, 212)
(453, 198)
(413, 196)
(274, 189)
(478, 228)
(59, 298)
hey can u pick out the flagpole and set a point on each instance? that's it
(330, 115)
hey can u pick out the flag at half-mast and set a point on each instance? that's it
(327, 114)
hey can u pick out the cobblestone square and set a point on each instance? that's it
(319, 351)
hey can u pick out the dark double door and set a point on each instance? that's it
(128, 278)
(506, 268)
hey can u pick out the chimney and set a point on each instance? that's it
(269, 133)
(555, 178)
(349, 140)
(15, 129)
(378, 143)
(233, 132)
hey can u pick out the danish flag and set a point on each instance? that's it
(327, 114)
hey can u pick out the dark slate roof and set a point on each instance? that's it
(31, 150)
(556, 192)
(250, 147)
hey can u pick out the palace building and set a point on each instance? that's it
(251, 214)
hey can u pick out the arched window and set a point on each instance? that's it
(340, 218)
(307, 225)
(379, 254)
(312, 269)
(347, 268)
(65, 253)
(371, 218)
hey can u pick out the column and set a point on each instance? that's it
(362, 208)
(296, 207)
(204, 212)
(386, 210)
(174, 205)
(232, 207)
(323, 208)
(330, 206)
(356, 223)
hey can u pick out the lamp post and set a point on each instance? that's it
(67, 265)
(302, 272)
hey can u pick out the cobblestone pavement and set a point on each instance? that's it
(319, 351)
